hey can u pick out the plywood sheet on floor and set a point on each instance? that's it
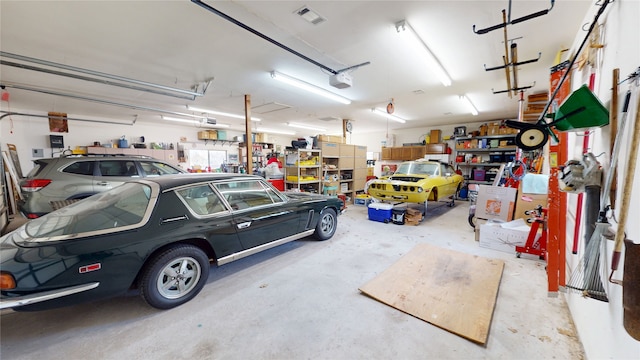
(449, 289)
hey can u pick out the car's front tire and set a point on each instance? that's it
(174, 276)
(327, 224)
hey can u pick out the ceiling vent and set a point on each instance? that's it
(309, 15)
(269, 107)
(209, 121)
(330, 118)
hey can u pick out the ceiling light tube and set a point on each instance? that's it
(308, 127)
(405, 29)
(215, 112)
(309, 87)
(201, 121)
(471, 108)
(388, 116)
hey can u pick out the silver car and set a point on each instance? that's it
(56, 182)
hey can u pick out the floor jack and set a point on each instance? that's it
(532, 246)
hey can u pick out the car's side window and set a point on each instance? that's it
(115, 167)
(153, 168)
(247, 194)
(202, 200)
(80, 168)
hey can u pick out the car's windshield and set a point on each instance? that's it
(120, 207)
(417, 168)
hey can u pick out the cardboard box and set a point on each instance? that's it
(527, 202)
(329, 148)
(505, 236)
(495, 203)
(331, 138)
(347, 150)
(203, 135)
(346, 162)
(412, 216)
(434, 136)
(479, 223)
(260, 137)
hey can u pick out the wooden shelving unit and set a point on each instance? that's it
(499, 150)
(346, 164)
(302, 170)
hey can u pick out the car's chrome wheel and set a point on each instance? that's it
(174, 276)
(178, 278)
(326, 225)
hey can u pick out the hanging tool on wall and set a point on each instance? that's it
(586, 277)
(631, 275)
(626, 194)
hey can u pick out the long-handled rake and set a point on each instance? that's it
(587, 276)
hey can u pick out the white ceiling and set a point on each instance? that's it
(179, 44)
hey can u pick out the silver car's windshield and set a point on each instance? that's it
(117, 209)
(416, 168)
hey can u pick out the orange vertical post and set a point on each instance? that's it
(557, 220)
(556, 248)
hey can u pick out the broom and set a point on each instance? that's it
(586, 277)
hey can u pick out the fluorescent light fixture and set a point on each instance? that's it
(275, 131)
(388, 116)
(472, 109)
(309, 87)
(215, 112)
(405, 29)
(308, 127)
(202, 121)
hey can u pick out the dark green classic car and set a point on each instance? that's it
(158, 235)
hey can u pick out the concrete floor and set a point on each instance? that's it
(301, 301)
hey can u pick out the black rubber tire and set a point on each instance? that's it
(327, 225)
(531, 138)
(159, 289)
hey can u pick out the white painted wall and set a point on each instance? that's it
(600, 324)
(30, 132)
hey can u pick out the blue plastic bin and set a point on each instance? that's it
(381, 212)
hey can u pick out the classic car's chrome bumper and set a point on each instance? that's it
(13, 302)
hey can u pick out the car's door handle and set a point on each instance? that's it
(244, 225)
(103, 183)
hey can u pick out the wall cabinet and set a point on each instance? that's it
(406, 153)
(170, 155)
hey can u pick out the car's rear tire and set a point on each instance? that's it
(327, 224)
(174, 276)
